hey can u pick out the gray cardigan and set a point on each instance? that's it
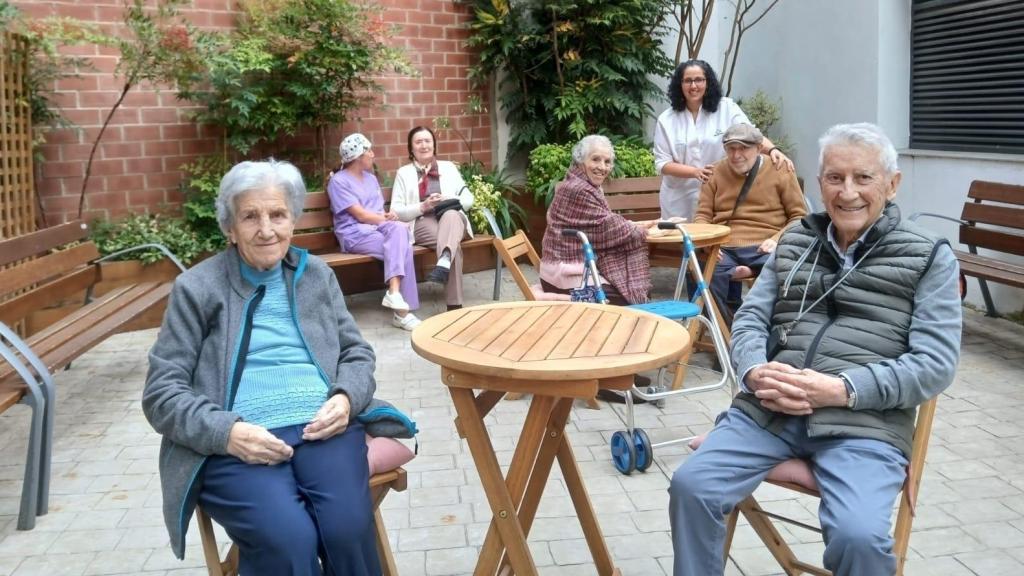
(196, 363)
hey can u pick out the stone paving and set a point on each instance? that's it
(105, 502)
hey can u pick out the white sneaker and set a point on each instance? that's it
(407, 322)
(394, 301)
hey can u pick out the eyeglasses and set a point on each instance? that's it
(695, 81)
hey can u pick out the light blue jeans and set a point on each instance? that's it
(858, 479)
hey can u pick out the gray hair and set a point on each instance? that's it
(860, 134)
(248, 176)
(582, 148)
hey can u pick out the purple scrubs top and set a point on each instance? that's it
(345, 191)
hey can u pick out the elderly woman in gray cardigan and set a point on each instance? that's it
(252, 381)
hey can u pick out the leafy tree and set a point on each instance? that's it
(570, 67)
(294, 64)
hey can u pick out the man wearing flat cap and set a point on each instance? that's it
(756, 203)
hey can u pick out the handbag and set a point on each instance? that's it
(446, 205)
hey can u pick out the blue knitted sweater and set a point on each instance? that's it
(280, 386)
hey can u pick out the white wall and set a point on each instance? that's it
(849, 61)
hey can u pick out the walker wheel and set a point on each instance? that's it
(623, 452)
(643, 448)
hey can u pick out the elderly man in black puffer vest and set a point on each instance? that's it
(853, 323)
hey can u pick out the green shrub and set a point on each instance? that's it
(200, 187)
(492, 190)
(765, 113)
(172, 232)
(549, 163)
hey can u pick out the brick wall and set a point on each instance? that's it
(137, 165)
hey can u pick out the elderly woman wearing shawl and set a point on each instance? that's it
(620, 244)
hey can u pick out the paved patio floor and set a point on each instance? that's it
(105, 502)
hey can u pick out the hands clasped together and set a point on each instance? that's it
(789, 390)
(256, 445)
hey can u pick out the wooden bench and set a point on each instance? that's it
(992, 219)
(315, 232)
(42, 269)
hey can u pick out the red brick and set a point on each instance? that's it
(140, 98)
(73, 84)
(59, 169)
(141, 132)
(200, 147)
(106, 64)
(81, 117)
(105, 200)
(125, 116)
(143, 165)
(109, 14)
(141, 197)
(428, 31)
(107, 167)
(443, 19)
(130, 183)
(180, 131)
(160, 116)
(119, 150)
(73, 152)
(162, 148)
(458, 59)
(163, 180)
(431, 58)
(443, 45)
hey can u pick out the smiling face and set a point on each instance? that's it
(263, 227)
(598, 164)
(854, 188)
(741, 157)
(423, 147)
(695, 84)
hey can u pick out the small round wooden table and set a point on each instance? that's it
(556, 351)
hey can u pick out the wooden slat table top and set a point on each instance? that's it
(549, 341)
(700, 234)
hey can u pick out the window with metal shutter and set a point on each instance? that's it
(967, 75)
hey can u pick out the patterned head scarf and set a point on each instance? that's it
(353, 146)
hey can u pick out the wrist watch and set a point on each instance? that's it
(851, 392)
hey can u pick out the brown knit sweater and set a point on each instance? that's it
(774, 202)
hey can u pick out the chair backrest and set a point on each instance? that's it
(513, 247)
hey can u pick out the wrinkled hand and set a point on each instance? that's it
(783, 388)
(770, 384)
(780, 160)
(703, 174)
(256, 445)
(330, 420)
(768, 246)
(429, 203)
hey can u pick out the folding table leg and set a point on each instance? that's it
(497, 492)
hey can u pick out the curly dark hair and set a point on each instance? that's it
(413, 132)
(712, 93)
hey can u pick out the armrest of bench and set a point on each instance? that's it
(916, 215)
(163, 249)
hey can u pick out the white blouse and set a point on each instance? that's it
(678, 138)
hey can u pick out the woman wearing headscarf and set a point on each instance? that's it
(620, 244)
(364, 227)
(419, 187)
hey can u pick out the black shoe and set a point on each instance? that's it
(618, 397)
(454, 307)
(439, 275)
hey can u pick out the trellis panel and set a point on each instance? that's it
(17, 205)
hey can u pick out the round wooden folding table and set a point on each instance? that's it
(556, 351)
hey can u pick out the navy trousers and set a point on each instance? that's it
(727, 293)
(291, 518)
